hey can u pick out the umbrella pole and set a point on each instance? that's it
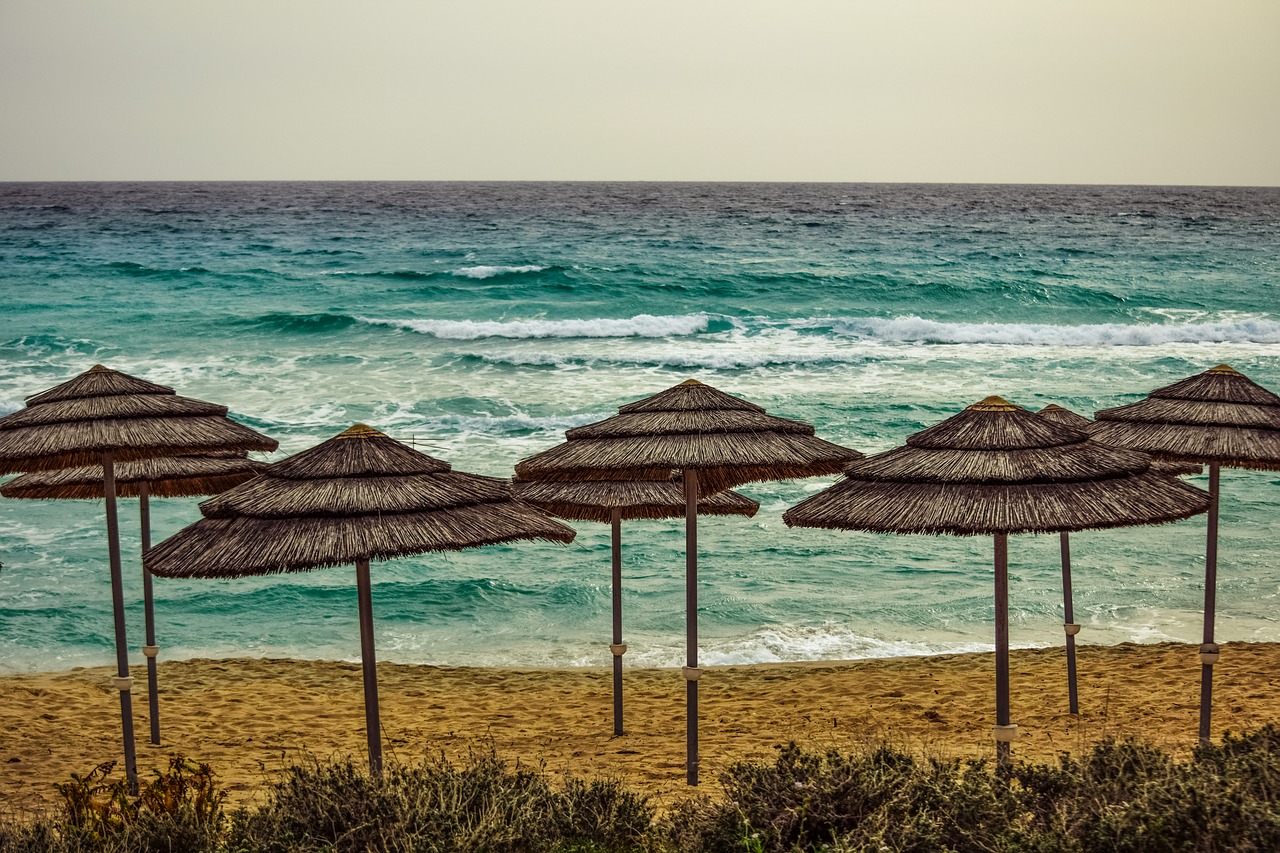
(373, 726)
(1209, 649)
(1004, 731)
(617, 648)
(691, 671)
(123, 682)
(1069, 623)
(150, 650)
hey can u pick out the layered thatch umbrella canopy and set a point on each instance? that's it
(169, 477)
(357, 497)
(1219, 417)
(103, 411)
(612, 501)
(1066, 417)
(103, 417)
(997, 469)
(689, 427)
(715, 441)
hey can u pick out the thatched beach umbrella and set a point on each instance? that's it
(715, 441)
(612, 501)
(997, 469)
(167, 477)
(1219, 417)
(103, 417)
(359, 496)
(1068, 418)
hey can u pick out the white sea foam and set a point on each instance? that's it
(785, 643)
(722, 359)
(642, 325)
(492, 271)
(917, 329)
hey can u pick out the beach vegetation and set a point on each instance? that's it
(437, 806)
(1122, 795)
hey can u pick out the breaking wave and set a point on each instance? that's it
(918, 330)
(640, 326)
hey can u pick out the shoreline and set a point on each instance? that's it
(252, 717)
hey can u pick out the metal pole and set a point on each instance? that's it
(372, 724)
(617, 648)
(1209, 649)
(1069, 623)
(691, 671)
(1002, 646)
(150, 650)
(123, 682)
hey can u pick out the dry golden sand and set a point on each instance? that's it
(251, 717)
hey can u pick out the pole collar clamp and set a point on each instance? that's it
(1005, 734)
(151, 651)
(122, 683)
(1209, 653)
(691, 673)
(618, 649)
(1072, 628)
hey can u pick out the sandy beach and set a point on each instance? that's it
(251, 717)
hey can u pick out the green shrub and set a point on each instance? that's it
(178, 811)
(435, 806)
(1122, 796)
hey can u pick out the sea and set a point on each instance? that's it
(479, 321)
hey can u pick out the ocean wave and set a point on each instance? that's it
(639, 326)
(789, 643)
(917, 330)
(301, 323)
(143, 271)
(481, 272)
(707, 359)
(404, 275)
(518, 423)
(45, 346)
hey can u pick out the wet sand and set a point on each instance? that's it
(251, 717)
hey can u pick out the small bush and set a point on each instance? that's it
(178, 811)
(1122, 796)
(435, 806)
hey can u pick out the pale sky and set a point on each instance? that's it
(1008, 91)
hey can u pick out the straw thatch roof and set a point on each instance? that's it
(692, 425)
(595, 500)
(1217, 417)
(103, 410)
(359, 495)
(997, 468)
(1066, 417)
(164, 476)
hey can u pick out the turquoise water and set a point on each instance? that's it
(480, 321)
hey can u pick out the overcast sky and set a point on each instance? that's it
(1052, 91)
